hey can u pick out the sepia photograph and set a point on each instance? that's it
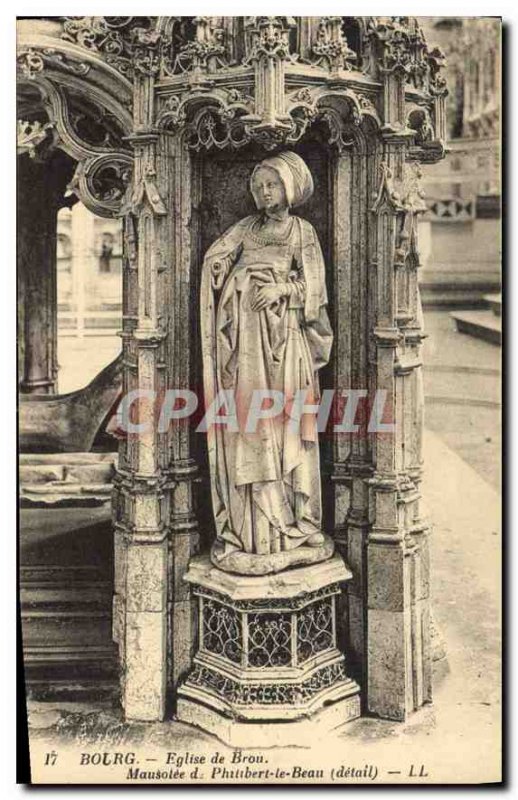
(259, 349)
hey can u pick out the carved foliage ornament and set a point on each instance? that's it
(35, 138)
(398, 44)
(134, 45)
(331, 48)
(405, 197)
(32, 62)
(205, 52)
(269, 37)
(120, 40)
(401, 193)
(241, 693)
(182, 44)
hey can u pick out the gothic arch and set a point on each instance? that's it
(75, 86)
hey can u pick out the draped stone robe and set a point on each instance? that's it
(265, 484)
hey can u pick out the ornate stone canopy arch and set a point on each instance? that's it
(84, 108)
(74, 114)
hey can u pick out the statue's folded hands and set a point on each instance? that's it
(268, 295)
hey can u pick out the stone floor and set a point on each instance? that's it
(462, 379)
(457, 738)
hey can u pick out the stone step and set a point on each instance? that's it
(69, 473)
(459, 292)
(67, 458)
(65, 592)
(481, 324)
(65, 478)
(494, 301)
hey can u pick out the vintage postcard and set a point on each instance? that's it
(259, 349)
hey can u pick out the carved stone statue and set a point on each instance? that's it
(265, 334)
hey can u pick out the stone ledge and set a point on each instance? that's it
(297, 733)
(287, 584)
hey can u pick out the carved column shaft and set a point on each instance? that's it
(270, 51)
(342, 256)
(182, 193)
(142, 495)
(397, 572)
(38, 204)
(351, 451)
(394, 97)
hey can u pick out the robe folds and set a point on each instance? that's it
(265, 474)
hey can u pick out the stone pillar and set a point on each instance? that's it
(352, 459)
(398, 628)
(182, 317)
(269, 53)
(38, 204)
(156, 530)
(141, 497)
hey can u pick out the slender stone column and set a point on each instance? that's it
(155, 527)
(352, 461)
(183, 191)
(141, 497)
(399, 674)
(38, 203)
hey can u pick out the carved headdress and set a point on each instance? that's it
(294, 174)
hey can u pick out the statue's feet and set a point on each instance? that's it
(318, 547)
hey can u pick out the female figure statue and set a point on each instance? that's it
(265, 327)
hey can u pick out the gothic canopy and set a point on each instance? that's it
(86, 84)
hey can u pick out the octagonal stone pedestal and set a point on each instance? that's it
(267, 671)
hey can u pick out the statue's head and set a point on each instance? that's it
(283, 181)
